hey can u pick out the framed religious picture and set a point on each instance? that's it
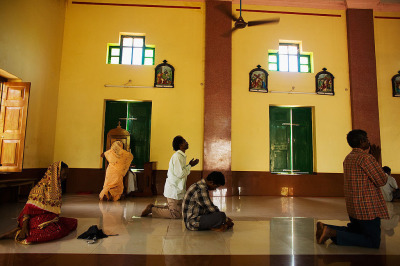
(164, 75)
(258, 80)
(396, 85)
(324, 83)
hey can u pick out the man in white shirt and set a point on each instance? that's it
(390, 190)
(175, 185)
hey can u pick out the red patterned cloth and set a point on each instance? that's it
(43, 208)
(363, 177)
(52, 231)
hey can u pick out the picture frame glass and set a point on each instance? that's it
(164, 76)
(258, 80)
(396, 86)
(325, 84)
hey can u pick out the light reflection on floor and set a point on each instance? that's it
(263, 226)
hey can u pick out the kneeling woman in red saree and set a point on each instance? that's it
(39, 221)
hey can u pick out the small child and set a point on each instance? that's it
(390, 191)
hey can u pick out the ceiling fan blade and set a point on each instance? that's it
(227, 12)
(226, 34)
(261, 22)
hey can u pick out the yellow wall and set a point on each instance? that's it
(30, 48)
(326, 38)
(178, 36)
(387, 39)
(66, 111)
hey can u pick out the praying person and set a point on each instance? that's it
(119, 161)
(363, 177)
(390, 190)
(199, 212)
(175, 185)
(40, 219)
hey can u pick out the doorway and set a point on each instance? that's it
(291, 140)
(135, 117)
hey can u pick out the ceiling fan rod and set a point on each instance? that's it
(240, 10)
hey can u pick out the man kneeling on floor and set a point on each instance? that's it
(363, 177)
(199, 213)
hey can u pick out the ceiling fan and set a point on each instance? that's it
(240, 23)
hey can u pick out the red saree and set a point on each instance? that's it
(58, 228)
(43, 208)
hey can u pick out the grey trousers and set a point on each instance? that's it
(212, 220)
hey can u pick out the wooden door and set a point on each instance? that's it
(279, 139)
(13, 114)
(291, 143)
(302, 140)
(114, 111)
(139, 126)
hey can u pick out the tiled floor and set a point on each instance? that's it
(270, 230)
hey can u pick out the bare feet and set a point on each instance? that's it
(221, 228)
(326, 234)
(229, 223)
(106, 197)
(320, 228)
(147, 210)
(9, 234)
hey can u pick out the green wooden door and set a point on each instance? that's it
(114, 111)
(291, 149)
(139, 126)
(135, 117)
(279, 139)
(302, 140)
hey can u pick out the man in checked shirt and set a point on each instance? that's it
(363, 177)
(199, 213)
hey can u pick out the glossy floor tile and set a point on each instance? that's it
(280, 228)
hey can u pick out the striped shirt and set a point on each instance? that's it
(197, 202)
(363, 177)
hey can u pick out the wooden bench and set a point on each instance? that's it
(17, 182)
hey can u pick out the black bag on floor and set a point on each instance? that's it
(93, 233)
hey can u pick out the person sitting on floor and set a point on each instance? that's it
(363, 177)
(199, 212)
(119, 161)
(390, 191)
(39, 221)
(175, 185)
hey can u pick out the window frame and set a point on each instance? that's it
(144, 54)
(299, 56)
(289, 55)
(273, 63)
(121, 47)
(110, 56)
(308, 65)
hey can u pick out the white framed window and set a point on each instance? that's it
(131, 51)
(289, 59)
